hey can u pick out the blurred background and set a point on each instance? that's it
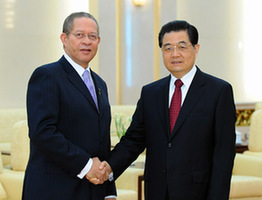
(129, 56)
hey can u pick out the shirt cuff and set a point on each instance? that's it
(86, 169)
(111, 196)
(111, 176)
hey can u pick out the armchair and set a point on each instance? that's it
(12, 176)
(258, 106)
(255, 136)
(246, 182)
(8, 117)
(3, 194)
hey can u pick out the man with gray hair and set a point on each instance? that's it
(69, 121)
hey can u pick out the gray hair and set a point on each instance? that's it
(68, 23)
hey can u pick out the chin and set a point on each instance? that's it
(176, 68)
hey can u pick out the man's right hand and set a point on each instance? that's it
(99, 172)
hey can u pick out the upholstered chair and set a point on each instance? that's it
(258, 106)
(246, 182)
(255, 136)
(11, 176)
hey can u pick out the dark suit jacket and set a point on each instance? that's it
(65, 131)
(195, 161)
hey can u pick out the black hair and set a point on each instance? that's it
(179, 25)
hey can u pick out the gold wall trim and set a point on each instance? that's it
(157, 19)
(93, 10)
(118, 52)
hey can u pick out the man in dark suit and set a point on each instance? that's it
(190, 158)
(69, 129)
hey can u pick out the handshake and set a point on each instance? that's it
(99, 172)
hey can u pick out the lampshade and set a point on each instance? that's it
(139, 2)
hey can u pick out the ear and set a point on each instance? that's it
(63, 38)
(99, 39)
(197, 46)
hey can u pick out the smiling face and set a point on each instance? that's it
(179, 61)
(81, 50)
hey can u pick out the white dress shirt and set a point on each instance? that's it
(186, 79)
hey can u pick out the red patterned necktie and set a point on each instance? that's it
(175, 104)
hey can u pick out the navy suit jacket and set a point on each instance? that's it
(65, 130)
(195, 161)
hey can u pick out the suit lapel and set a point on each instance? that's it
(76, 80)
(98, 90)
(195, 91)
(162, 100)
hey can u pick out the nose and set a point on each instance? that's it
(86, 40)
(175, 52)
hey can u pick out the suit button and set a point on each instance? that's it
(164, 171)
(169, 145)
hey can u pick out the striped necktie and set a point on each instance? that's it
(90, 85)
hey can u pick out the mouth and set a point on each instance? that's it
(85, 50)
(176, 62)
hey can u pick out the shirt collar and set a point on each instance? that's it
(186, 79)
(79, 69)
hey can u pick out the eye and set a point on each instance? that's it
(79, 35)
(182, 46)
(92, 37)
(168, 48)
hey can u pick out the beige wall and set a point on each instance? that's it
(29, 37)
(220, 27)
(34, 40)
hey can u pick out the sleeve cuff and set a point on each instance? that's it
(86, 169)
(111, 196)
(111, 176)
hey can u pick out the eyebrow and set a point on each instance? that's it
(164, 45)
(180, 42)
(81, 31)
